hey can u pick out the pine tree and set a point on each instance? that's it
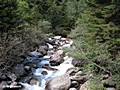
(9, 17)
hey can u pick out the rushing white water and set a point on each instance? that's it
(44, 78)
(62, 68)
(31, 87)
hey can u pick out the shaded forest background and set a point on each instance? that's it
(94, 25)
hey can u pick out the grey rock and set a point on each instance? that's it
(74, 84)
(43, 50)
(59, 83)
(44, 73)
(56, 59)
(80, 79)
(33, 81)
(3, 84)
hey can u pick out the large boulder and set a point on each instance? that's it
(56, 59)
(43, 49)
(62, 82)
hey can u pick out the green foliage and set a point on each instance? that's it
(59, 19)
(96, 83)
(44, 26)
(9, 17)
(29, 14)
(96, 39)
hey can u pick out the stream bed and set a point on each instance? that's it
(44, 71)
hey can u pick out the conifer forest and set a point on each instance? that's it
(93, 25)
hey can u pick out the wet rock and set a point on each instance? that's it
(3, 84)
(43, 50)
(77, 63)
(56, 59)
(33, 81)
(74, 84)
(72, 89)
(59, 83)
(70, 71)
(44, 73)
(19, 70)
